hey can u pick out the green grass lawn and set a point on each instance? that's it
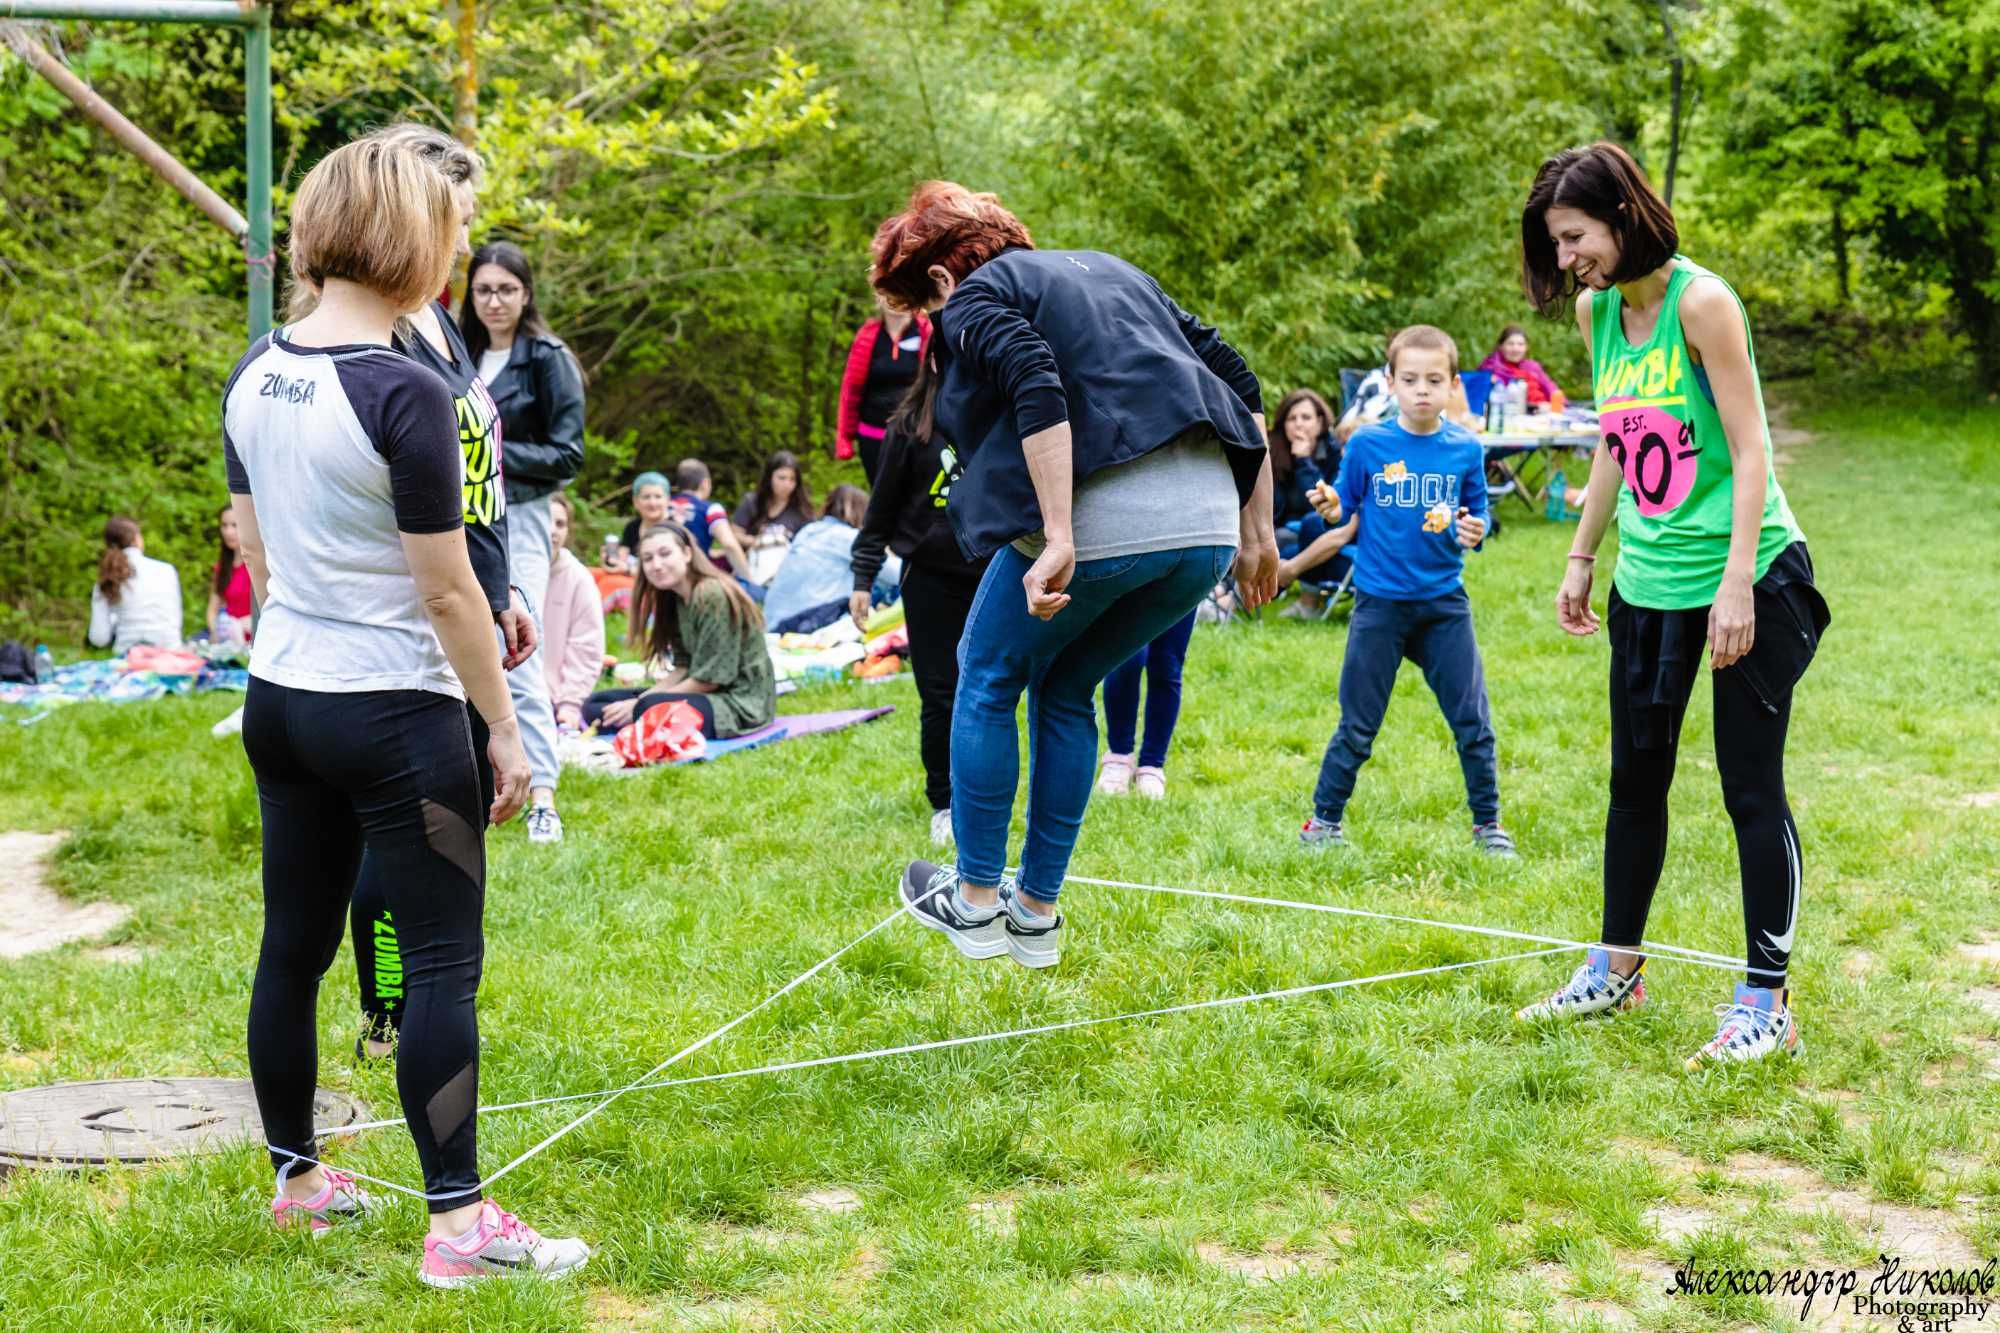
(1393, 1156)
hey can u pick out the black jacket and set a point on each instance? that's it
(540, 396)
(1036, 337)
(906, 512)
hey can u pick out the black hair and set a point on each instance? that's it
(1603, 181)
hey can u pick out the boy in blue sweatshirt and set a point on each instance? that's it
(1418, 484)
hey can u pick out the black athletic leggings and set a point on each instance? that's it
(1654, 659)
(378, 959)
(935, 605)
(390, 772)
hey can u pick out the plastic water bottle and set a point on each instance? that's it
(45, 665)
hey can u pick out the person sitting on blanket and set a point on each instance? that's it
(1509, 362)
(649, 499)
(136, 598)
(572, 622)
(812, 588)
(706, 635)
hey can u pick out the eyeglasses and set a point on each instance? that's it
(507, 293)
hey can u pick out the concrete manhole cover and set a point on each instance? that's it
(140, 1120)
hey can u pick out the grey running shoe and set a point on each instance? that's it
(930, 894)
(1034, 940)
(1318, 834)
(1495, 841)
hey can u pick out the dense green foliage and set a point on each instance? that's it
(697, 183)
(1395, 1156)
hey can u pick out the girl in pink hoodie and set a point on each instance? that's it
(572, 624)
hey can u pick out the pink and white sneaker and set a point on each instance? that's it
(341, 1200)
(498, 1245)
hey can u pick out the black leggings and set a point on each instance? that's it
(378, 959)
(392, 773)
(1660, 650)
(594, 706)
(935, 607)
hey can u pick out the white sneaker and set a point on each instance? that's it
(1115, 777)
(941, 827)
(544, 824)
(229, 726)
(1151, 782)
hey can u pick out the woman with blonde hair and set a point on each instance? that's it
(348, 484)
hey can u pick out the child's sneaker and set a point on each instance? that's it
(498, 1245)
(1593, 989)
(1495, 841)
(340, 1200)
(1114, 778)
(1034, 940)
(930, 894)
(1317, 833)
(941, 827)
(1757, 1024)
(544, 824)
(1150, 783)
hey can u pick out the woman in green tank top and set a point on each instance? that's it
(1708, 552)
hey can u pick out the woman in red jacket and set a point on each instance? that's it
(879, 370)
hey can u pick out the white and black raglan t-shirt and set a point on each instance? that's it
(340, 449)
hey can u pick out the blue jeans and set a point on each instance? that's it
(1436, 634)
(1116, 607)
(1159, 663)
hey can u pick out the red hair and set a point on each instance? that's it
(947, 225)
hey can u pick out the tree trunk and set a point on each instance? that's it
(806, 349)
(1677, 69)
(465, 79)
(1980, 314)
(1840, 254)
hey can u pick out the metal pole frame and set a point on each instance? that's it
(255, 20)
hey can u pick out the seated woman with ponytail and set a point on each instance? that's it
(137, 599)
(705, 629)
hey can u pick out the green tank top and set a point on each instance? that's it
(1659, 422)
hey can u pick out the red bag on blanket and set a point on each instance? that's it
(666, 732)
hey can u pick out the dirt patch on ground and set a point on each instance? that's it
(1271, 1264)
(1980, 800)
(837, 1199)
(1987, 951)
(34, 917)
(995, 1213)
(1987, 998)
(1921, 1237)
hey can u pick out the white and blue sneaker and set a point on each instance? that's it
(1593, 989)
(1758, 1023)
(931, 894)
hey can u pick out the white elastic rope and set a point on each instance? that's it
(1673, 952)
(613, 1094)
(854, 1057)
